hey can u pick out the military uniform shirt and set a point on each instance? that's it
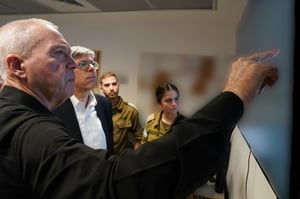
(127, 127)
(156, 128)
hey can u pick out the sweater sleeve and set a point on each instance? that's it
(179, 162)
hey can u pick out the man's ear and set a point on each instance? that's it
(14, 63)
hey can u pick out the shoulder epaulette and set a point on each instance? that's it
(130, 104)
(150, 117)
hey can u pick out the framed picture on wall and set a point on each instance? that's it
(198, 78)
(98, 60)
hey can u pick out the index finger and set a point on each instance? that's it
(263, 56)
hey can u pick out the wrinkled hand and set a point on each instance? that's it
(249, 75)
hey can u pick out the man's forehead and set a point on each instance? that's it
(110, 79)
(110, 82)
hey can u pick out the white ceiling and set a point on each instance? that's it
(21, 7)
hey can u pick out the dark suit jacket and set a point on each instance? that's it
(66, 112)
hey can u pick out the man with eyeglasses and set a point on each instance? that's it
(87, 116)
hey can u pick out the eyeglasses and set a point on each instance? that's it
(83, 65)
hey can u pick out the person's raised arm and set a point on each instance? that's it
(249, 75)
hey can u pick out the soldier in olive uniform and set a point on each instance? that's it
(127, 128)
(159, 123)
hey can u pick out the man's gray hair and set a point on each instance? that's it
(80, 50)
(19, 37)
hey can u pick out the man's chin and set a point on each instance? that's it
(60, 102)
(62, 98)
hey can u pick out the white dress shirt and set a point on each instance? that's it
(90, 125)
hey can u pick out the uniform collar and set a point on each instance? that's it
(119, 105)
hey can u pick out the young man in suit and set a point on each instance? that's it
(87, 116)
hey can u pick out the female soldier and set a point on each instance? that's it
(159, 123)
